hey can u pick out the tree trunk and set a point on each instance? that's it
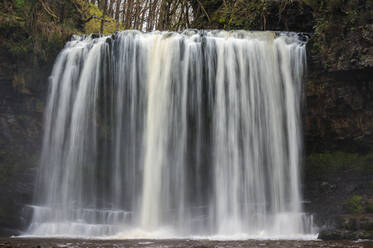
(129, 14)
(62, 10)
(103, 17)
(124, 5)
(152, 16)
(117, 11)
(164, 9)
(111, 8)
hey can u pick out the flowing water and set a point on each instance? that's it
(159, 135)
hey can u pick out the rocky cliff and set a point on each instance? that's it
(338, 132)
(20, 140)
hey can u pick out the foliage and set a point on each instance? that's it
(354, 205)
(335, 19)
(93, 26)
(335, 24)
(241, 15)
(32, 32)
(258, 15)
(29, 27)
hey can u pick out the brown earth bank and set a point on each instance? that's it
(44, 243)
(337, 112)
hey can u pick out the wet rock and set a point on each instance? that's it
(362, 222)
(340, 234)
(333, 234)
(95, 36)
(327, 187)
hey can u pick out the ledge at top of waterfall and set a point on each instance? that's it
(193, 134)
(291, 37)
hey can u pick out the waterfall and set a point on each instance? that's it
(162, 134)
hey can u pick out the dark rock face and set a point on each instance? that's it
(20, 142)
(338, 189)
(339, 111)
(354, 53)
(337, 234)
(338, 133)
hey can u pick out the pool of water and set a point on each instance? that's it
(75, 243)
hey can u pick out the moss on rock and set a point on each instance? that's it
(321, 165)
(354, 205)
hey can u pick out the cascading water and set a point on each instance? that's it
(173, 135)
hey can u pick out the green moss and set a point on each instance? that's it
(354, 205)
(222, 19)
(321, 165)
(20, 3)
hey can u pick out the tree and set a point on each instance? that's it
(117, 14)
(103, 16)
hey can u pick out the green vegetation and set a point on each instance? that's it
(255, 15)
(31, 27)
(39, 29)
(32, 32)
(320, 165)
(42, 26)
(335, 20)
(93, 25)
(358, 205)
(354, 205)
(336, 24)
(236, 16)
